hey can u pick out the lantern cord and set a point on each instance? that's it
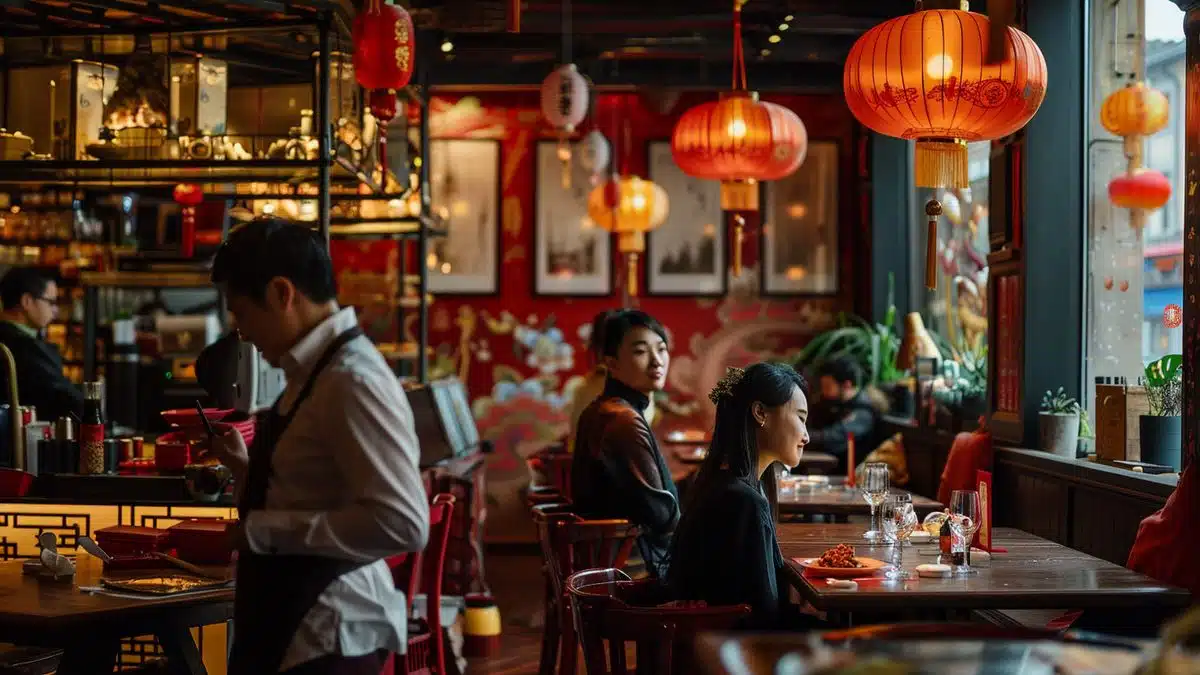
(933, 210)
(739, 57)
(566, 28)
(739, 222)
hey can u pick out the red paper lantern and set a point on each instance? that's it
(384, 46)
(1172, 316)
(925, 77)
(1144, 189)
(188, 196)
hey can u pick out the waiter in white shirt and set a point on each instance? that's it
(331, 485)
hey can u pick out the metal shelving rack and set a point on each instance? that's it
(48, 20)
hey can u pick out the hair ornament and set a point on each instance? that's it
(725, 385)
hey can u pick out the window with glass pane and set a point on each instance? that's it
(1135, 285)
(956, 312)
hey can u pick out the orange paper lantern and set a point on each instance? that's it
(739, 141)
(628, 207)
(1136, 110)
(1144, 189)
(925, 77)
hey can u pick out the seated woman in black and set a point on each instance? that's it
(725, 551)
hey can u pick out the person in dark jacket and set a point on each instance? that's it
(845, 408)
(618, 470)
(725, 550)
(30, 303)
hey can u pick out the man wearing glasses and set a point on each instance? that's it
(30, 302)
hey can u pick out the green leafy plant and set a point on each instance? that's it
(1085, 425)
(1058, 403)
(1164, 386)
(874, 346)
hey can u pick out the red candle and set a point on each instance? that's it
(850, 460)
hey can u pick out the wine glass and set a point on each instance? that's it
(875, 490)
(899, 522)
(964, 521)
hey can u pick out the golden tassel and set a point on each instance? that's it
(564, 155)
(941, 163)
(631, 274)
(933, 209)
(738, 223)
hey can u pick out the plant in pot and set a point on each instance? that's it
(963, 388)
(1161, 438)
(1058, 424)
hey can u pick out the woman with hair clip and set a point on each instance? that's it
(725, 550)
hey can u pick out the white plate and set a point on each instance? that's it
(920, 537)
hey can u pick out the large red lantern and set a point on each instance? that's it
(384, 46)
(189, 196)
(739, 141)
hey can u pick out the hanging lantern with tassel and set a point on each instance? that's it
(189, 196)
(739, 141)
(925, 77)
(384, 51)
(564, 105)
(595, 153)
(1134, 112)
(628, 207)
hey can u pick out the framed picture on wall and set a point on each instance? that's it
(572, 256)
(465, 180)
(686, 254)
(799, 242)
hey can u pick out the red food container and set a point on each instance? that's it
(172, 452)
(203, 542)
(128, 540)
(14, 483)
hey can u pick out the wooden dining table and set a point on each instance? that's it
(89, 627)
(838, 501)
(1032, 573)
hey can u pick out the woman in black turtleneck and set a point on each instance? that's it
(618, 470)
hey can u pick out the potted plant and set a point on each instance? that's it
(1058, 424)
(1086, 435)
(1161, 438)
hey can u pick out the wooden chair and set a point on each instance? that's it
(554, 465)
(570, 544)
(609, 606)
(422, 572)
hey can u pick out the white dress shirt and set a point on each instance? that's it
(345, 484)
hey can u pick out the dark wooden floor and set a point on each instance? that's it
(516, 583)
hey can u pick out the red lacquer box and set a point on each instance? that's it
(203, 542)
(128, 540)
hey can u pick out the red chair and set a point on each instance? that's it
(422, 572)
(570, 544)
(553, 466)
(609, 606)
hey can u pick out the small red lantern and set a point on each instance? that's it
(1144, 189)
(189, 196)
(384, 46)
(1172, 316)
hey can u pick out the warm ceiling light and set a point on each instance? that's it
(789, 17)
(774, 39)
(765, 52)
(783, 26)
(447, 46)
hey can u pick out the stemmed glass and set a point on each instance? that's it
(899, 522)
(964, 521)
(875, 490)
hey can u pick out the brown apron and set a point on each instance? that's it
(276, 592)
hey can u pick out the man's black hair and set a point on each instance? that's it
(263, 249)
(18, 282)
(842, 370)
(620, 323)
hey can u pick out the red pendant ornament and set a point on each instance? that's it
(189, 196)
(1172, 316)
(384, 51)
(1144, 189)
(739, 141)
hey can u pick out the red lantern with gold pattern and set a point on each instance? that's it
(1172, 316)
(189, 196)
(384, 46)
(925, 77)
(1144, 189)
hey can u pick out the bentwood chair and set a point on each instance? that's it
(422, 572)
(611, 608)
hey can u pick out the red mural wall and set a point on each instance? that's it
(522, 354)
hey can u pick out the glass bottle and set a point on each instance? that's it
(91, 430)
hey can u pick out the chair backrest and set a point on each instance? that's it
(571, 544)
(554, 466)
(421, 572)
(609, 606)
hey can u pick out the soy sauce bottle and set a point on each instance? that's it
(91, 431)
(945, 540)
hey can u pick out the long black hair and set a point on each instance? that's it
(734, 447)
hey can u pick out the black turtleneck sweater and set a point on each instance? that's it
(619, 472)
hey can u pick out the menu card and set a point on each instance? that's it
(850, 464)
(983, 536)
